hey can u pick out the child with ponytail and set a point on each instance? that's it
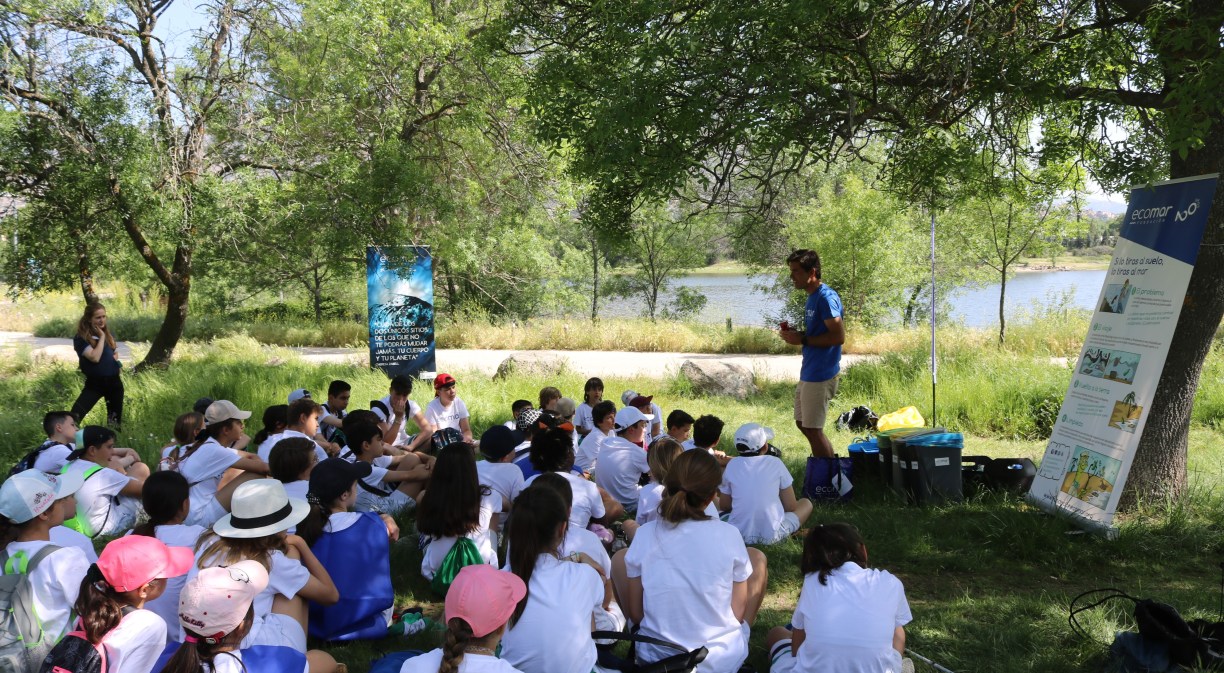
(130, 572)
(687, 577)
(344, 540)
(478, 604)
(216, 613)
(166, 499)
(563, 594)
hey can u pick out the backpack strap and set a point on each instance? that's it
(376, 491)
(381, 406)
(20, 564)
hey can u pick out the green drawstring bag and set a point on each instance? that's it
(463, 554)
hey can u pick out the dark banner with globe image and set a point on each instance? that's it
(399, 282)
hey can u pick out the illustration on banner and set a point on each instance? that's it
(1091, 477)
(1126, 414)
(1116, 296)
(1111, 365)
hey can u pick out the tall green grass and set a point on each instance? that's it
(988, 580)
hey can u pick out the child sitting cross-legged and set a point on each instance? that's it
(108, 501)
(553, 452)
(394, 482)
(756, 489)
(478, 604)
(345, 541)
(456, 506)
(849, 618)
(663, 451)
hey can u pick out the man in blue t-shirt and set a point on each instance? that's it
(821, 339)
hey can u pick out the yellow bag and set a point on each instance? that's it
(906, 417)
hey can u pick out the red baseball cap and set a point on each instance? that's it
(443, 380)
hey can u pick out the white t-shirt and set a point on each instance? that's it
(621, 465)
(339, 521)
(203, 470)
(850, 621)
(231, 662)
(265, 449)
(583, 419)
(506, 479)
(409, 413)
(55, 581)
(587, 502)
(135, 645)
(442, 417)
(52, 458)
(286, 578)
(587, 455)
(561, 599)
(472, 663)
(98, 498)
(63, 536)
(166, 605)
(687, 573)
(753, 482)
(485, 539)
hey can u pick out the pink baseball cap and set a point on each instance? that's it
(484, 597)
(214, 602)
(133, 561)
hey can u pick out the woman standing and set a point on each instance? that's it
(99, 362)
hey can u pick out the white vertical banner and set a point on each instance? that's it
(1105, 410)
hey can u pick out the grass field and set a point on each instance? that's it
(989, 580)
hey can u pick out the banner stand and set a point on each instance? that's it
(400, 292)
(1104, 412)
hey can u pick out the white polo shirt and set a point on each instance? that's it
(687, 572)
(621, 465)
(850, 621)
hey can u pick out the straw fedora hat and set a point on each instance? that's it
(261, 507)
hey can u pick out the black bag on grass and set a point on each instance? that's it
(858, 419)
(1162, 627)
(683, 661)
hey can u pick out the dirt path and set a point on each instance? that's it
(590, 363)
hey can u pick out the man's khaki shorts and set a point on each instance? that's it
(812, 402)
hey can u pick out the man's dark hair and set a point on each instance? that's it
(300, 408)
(707, 430)
(402, 384)
(808, 259)
(678, 419)
(336, 387)
(601, 410)
(519, 405)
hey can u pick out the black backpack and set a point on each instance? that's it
(75, 654)
(858, 419)
(27, 462)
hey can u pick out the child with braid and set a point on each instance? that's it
(480, 601)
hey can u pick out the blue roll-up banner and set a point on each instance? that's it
(399, 282)
(1105, 410)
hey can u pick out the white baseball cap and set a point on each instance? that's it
(298, 394)
(629, 416)
(25, 495)
(753, 438)
(224, 410)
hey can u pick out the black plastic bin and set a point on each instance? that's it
(864, 455)
(930, 467)
(887, 461)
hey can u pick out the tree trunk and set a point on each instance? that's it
(1159, 469)
(594, 278)
(86, 274)
(912, 305)
(316, 296)
(171, 328)
(1002, 301)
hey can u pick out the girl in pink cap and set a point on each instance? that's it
(130, 572)
(480, 601)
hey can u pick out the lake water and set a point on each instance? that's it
(739, 298)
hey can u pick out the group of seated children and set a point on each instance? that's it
(244, 548)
